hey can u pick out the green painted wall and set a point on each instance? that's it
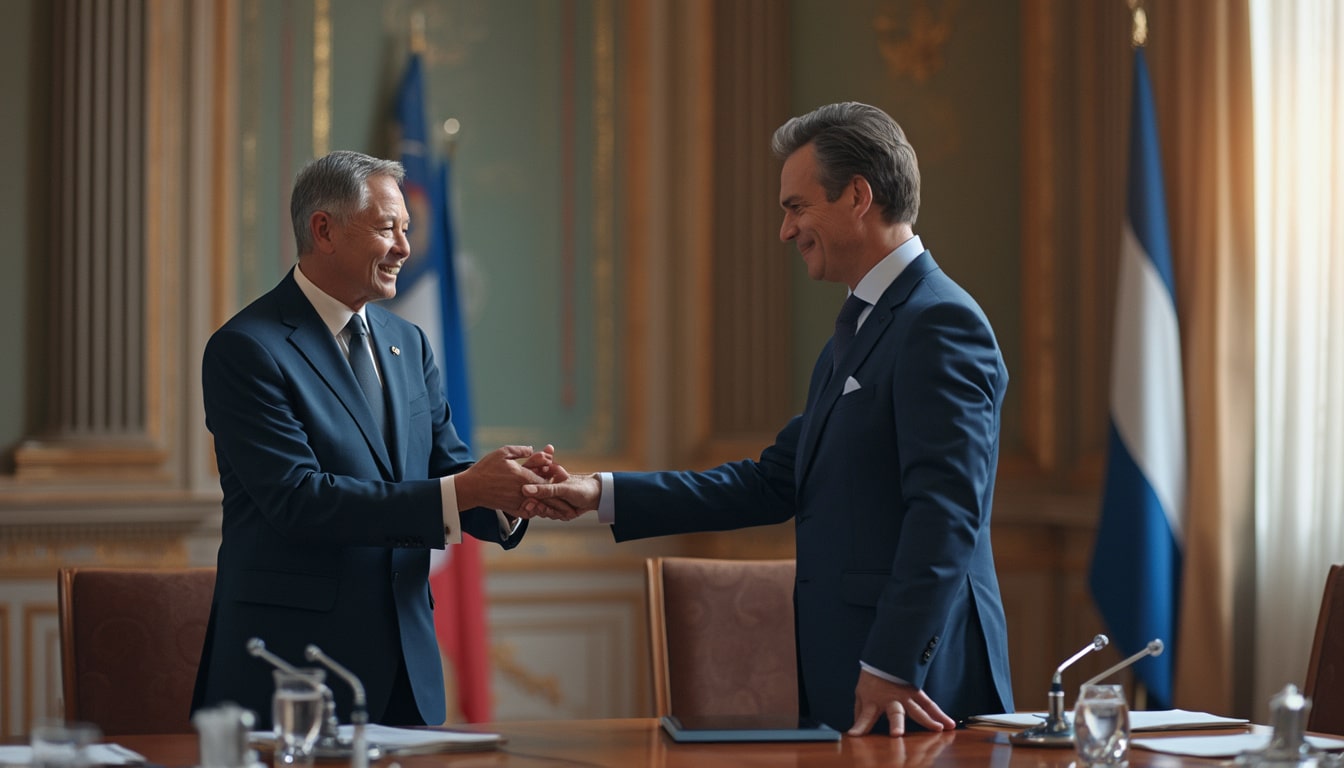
(23, 153)
(963, 122)
(500, 69)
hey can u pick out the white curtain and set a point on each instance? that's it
(1298, 72)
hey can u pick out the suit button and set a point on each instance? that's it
(927, 655)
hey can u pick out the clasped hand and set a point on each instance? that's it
(526, 483)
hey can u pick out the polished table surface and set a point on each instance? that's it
(641, 742)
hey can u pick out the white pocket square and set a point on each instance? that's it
(851, 384)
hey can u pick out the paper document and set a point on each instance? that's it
(408, 740)
(405, 741)
(1157, 720)
(1229, 745)
(99, 754)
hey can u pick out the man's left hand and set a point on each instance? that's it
(874, 697)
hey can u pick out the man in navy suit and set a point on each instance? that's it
(334, 492)
(889, 471)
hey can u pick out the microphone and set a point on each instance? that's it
(360, 750)
(330, 725)
(1154, 648)
(257, 647)
(1057, 731)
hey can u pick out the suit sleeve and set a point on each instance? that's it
(946, 406)
(735, 495)
(286, 455)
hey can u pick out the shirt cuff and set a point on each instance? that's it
(606, 503)
(452, 519)
(869, 668)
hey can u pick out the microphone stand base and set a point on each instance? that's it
(1044, 735)
(343, 749)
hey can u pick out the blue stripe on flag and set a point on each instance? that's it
(1135, 574)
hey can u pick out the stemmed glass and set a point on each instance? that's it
(296, 714)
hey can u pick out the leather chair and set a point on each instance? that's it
(722, 636)
(130, 643)
(1325, 671)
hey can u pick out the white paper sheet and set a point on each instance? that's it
(1156, 720)
(99, 754)
(1228, 745)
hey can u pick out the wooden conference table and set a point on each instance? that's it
(641, 742)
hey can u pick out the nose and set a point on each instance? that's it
(787, 230)
(402, 242)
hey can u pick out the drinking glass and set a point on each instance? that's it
(296, 715)
(1101, 725)
(59, 744)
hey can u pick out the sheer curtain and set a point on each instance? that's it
(1298, 75)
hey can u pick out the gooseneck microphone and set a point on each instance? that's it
(359, 713)
(1057, 731)
(1154, 648)
(257, 647)
(328, 737)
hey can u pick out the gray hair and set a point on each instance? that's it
(852, 139)
(337, 183)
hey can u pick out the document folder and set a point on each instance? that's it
(717, 728)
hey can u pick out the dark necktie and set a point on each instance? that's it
(361, 362)
(846, 324)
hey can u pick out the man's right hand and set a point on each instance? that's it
(564, 500)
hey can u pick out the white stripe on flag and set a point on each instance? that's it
(1147, 390)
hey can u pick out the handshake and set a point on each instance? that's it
(526, 483)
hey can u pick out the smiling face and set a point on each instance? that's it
(358, 256)
(827, 233)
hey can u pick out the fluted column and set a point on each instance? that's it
(135, 140)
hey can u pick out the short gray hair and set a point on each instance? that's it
(337, 183)
(853, 139)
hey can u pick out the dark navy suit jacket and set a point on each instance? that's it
(326, 527)
(889, 487)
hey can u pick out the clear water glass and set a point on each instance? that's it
(296, 715)
(1101, 725)
(58, 744)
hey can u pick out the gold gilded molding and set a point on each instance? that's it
(39, 551)
(545, 687)
(321, 77)
(911, 39)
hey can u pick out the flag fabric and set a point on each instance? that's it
(1136, 564)
(427, 295)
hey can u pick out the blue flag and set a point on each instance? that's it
(1136, 564)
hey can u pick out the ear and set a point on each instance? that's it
(861, 195)
(321, 226)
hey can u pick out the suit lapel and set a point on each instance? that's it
(821, 403)
(312, 340)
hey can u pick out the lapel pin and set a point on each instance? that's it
(396, 350)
